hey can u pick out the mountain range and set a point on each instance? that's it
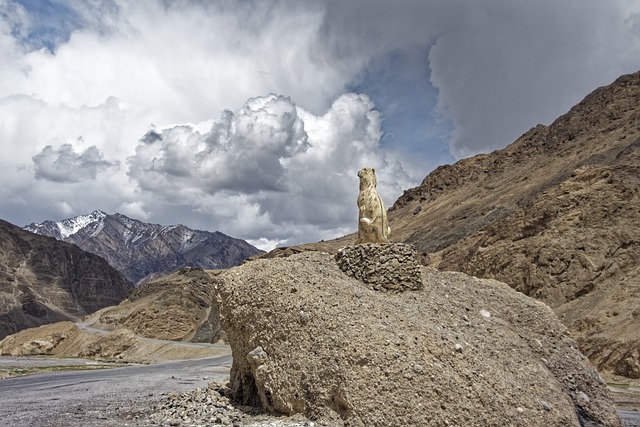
(43, 280)
(143, 251)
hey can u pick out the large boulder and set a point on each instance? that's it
(307, 338)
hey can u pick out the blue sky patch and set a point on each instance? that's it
(50, 23)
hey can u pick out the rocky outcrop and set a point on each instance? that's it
(143, 251)
(556, 215)
(43, 280)
(307, 338)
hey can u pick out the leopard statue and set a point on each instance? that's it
(373, 226)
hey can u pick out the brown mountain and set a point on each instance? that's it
(556, 215)
(180, 307)
(43, 280)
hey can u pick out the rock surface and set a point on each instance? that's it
(307, 338)
(43, 280)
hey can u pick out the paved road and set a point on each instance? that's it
(630, 418)
(94, 398)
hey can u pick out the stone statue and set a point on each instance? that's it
(373, 226)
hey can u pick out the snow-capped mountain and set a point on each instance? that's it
(66, 227)
(140, 250)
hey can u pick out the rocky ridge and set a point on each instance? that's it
(43, 280)
(143, 251)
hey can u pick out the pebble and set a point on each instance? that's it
(546, 405)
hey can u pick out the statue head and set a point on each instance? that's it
(367, 178)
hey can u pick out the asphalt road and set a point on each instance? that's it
(100, 397)
(629, 418)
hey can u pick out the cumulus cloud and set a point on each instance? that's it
(66, 165)
(244, 151)
(270, 166)
(134, 210)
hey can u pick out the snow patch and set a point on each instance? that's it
(71, 226)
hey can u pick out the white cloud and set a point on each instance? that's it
(134, 210)
(188, 58)
(65, 165)
(270, 171)
(65, 208)
(243, 152)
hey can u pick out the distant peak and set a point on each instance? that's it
(70, 226)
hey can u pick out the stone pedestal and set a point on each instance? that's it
(383, 267)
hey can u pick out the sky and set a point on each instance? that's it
(252, 117)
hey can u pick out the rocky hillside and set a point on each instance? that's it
(178, 307)
(556, 215)
(43, 280)
(144, 251)
(309, 339)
